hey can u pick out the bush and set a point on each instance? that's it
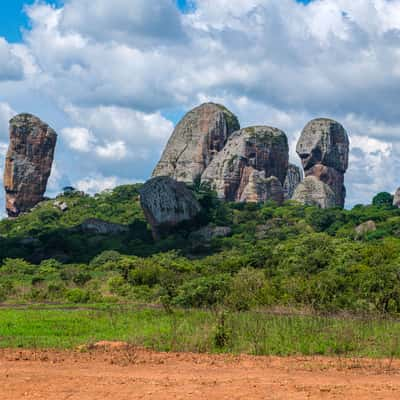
(245, 290)
(203, 292)
(78, 296)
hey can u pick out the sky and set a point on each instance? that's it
(113, 78)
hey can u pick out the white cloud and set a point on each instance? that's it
(11, 67)
(98, 183)
(106, 73)
(116, 150)
(80, 139)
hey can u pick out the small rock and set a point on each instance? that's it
(366, 227)
(62, 206)
(98, 226)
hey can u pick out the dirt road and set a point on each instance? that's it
(119, 372)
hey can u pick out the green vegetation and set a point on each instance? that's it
(200, 331)
(292, 256)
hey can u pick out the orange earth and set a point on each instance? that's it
(118, 371)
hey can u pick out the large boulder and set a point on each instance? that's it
(28, 163)
(198, 137)
(323, 148)
(259, 148)
(313, 192)
(167, 203)
(324, 141)
(365, 228)
(293, 178)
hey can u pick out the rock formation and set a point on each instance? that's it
(167, 203)
(198, 137)
(293, 178)
(314, 192)
(240, 171)
(396, 198)
(100, 227)
(260, 189)
(365, 228)
(28, 163)
(324, 151)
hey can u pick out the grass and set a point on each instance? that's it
(200, 331)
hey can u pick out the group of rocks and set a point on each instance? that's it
(245, 165)
(207, 147)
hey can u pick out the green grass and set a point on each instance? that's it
(200, 331)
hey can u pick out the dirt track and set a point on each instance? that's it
(122, 373)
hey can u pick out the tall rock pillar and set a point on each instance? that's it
(28, 163)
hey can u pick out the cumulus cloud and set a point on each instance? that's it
(142, 21)
(110, 74)
(11, 66)
(98, 183)
(80, 139)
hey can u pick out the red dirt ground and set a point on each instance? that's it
(120, 372)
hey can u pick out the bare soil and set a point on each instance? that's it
(118, 371)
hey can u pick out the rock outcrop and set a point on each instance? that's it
(313, 192)
(396, 198)
(324, 152)
(100, 227)
(240, 171)
(365, 228)
(293, 178)
(198, 137)
(260, 189)
(167, 203)
(28, 163)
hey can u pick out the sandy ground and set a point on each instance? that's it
(121, 372)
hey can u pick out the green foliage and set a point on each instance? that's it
(383, 199)
(291, 256)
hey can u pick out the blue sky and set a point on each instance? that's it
(114, 77)
(13, 18)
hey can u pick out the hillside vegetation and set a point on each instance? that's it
(288, 256)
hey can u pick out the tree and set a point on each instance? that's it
(383, 199)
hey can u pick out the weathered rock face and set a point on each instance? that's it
(198, 137)
(324, 141)
(314, 192)
(250, 156)
(333, 178)
(396, 198)
(293, 178)
(28, 163)
(166, 203)
(324, 151)
(260, 189)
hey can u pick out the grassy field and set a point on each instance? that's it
(200, 331)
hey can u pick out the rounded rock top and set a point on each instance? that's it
(324, 141)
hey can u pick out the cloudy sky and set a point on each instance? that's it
(113, 77)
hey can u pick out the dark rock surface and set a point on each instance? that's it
(28, 163)
(293, 178)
